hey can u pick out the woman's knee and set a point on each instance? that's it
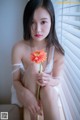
(48, 92)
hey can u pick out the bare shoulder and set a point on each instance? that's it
(17, 47)
(18, 51)
(58, 57)
(20, 46)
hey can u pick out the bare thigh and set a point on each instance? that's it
(26, 114)
(29, 79)
(31, 85)
(49, 100)
(29, 82)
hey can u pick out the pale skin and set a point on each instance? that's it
(26, 90)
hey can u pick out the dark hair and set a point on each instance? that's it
(29, 10)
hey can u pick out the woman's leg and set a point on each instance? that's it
(26, 114)
(30, 83)
(49, 99)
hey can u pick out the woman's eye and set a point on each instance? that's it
(43, 22)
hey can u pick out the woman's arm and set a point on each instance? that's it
(26, 98)
(57, 69)
(16, 58)
(54, 78)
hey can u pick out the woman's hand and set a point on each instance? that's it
(29, 101)
(43, 78)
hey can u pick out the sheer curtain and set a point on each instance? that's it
(68, 30)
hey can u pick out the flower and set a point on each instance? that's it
(38, 56)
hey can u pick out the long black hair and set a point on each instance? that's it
(29, 10)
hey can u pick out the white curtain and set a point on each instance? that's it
(68, 30)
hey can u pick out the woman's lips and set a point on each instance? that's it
(38, 35)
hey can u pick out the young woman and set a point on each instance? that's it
(39, 33)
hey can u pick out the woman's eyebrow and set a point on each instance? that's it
(43, 18)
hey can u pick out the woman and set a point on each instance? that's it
(39, 33)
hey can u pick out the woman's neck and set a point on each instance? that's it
(38, 44)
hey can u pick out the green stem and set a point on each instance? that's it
(38, 92)
(38, 88)
(40, 68)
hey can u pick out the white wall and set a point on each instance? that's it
(11, 30)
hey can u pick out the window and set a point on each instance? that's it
(68, 30)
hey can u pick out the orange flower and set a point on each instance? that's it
(38, 56)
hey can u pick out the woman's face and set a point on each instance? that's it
(41, 24)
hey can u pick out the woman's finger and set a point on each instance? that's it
(38, 110)
(30, 109)
(39, 83)
(42, 84)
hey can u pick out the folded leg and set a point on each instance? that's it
(49, 99)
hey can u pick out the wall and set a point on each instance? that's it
(11, 30)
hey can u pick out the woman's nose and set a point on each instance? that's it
(38, 27)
